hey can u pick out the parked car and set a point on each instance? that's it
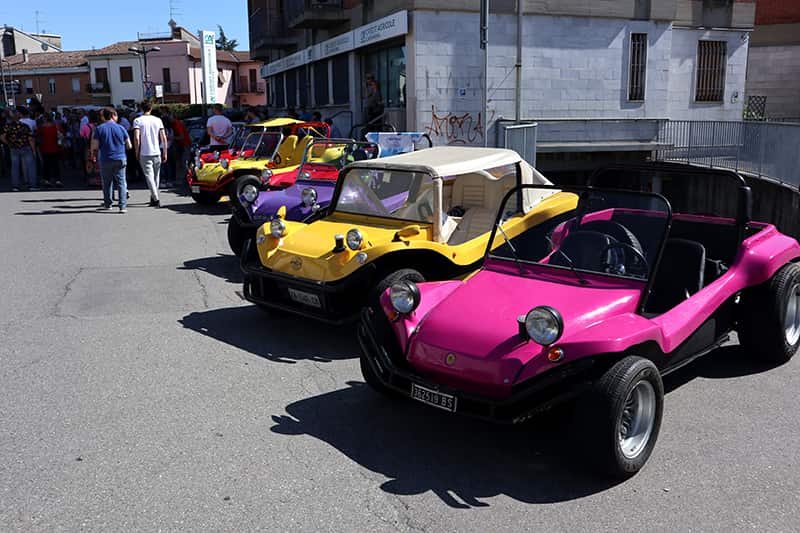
(417, 216)
(596, 303)
(255, 203)
(279, 147)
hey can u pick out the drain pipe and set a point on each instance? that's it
(518, 66)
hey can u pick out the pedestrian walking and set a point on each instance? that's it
(22, 146)
(109, 142)
(50, 151)
(220, 129)
(150, 144)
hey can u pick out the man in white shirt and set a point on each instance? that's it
(220, 128)
(25, 118)
(150, 145)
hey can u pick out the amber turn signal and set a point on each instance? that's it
(554, 355)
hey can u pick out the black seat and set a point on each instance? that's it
(583, 250)
(359, 154)
(680, 274)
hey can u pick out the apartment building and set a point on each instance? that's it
(604, 72)
(56, 79)
(773, 66)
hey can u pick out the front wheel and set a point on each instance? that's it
(206, 198)
(623, 414)
(769, 325)
(237, 235)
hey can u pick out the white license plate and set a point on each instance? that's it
(434, 398)
(305, 298)
(195, 189)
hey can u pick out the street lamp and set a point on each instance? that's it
(143, 51)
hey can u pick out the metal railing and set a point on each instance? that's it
(521, 138)
(246, 86)
(768, 150)
(173, 87)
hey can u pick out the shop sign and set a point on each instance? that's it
(382, 29)
(208, 64)
(338, 45)
(289, 62)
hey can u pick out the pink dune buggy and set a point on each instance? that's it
(595, 305)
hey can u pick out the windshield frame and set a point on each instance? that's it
(318, 141)
(488, 256)
(258, 145)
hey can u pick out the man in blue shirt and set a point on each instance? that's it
(110, 140)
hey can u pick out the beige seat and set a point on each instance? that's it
(480, 196)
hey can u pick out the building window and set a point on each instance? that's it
(279, 100)
(638, 71)
(166, 78)
(291, 88)
(711, 58)
(321, 96)
(76, 85)
(126, 74)
(302, 86)
(388, 66)
(341, 79)
(51, 86)
(28, 86)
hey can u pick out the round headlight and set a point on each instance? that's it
(404, 296)
(266, 173)
(354, 239)
(224, 164)
(216, 154)
(199, 163)
(305, 176)
(544, 325)
(277, 228)
(250, 193)
(309, 195)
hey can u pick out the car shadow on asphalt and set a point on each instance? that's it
(222, 266)
(193, 208)
(276, 338)
(461, 460)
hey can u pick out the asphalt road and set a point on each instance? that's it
(139, 392)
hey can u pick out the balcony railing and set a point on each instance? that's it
(246, 86)
(269, 30)
(98, 88)
(173, 87)
(315, 13)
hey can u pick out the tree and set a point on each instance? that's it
(223, 43)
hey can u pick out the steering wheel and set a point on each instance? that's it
(640, 267)
(424, 210)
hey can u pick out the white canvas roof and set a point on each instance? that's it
(446, 160)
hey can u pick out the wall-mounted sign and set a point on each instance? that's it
(208, 63)
(382, 29)
(338, 45)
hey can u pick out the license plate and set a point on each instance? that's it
(305, 298)
(195, 189)
(434, 398)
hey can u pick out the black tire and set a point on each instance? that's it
(603, 412)
(237, 235)
(239, 184)
(389, 280)
(206, 198)
(762, 321)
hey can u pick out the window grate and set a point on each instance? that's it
(711, 58)
(638, 72)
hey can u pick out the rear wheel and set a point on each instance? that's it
(623, 412)
(769, 325)
(206, 198)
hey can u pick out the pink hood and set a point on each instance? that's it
(477, 323)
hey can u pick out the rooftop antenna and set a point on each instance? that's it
(174, 11)
(38, 20)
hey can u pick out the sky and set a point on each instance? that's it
(86, 24)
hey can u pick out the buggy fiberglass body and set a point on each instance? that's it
(419, 215)
(256, 203)
(278, 146)
(595, 304)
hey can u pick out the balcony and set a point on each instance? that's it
(173, 87)
(269, 30)
(101, 87)
(313, 14)
(245, 86)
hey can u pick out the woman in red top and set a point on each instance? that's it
(50, 149)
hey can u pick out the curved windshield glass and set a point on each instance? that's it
(261, 145)
(394, 194)
(327, 156)
(609, 232)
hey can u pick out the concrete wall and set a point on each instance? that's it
(774, 72)
(573, 67)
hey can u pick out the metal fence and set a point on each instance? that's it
(767, 150)
(521, 138)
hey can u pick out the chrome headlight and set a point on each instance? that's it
(404, 296)
(224, 163)
(309, 196)
(305, 176)
(199, 162)
(216, 154)
(277, 228)
(354, 239)
(266, 173)
(250, 193)
(544, 325)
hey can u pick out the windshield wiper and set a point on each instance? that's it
(574, 270)
(511, 247)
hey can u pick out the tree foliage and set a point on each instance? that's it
(223, 43)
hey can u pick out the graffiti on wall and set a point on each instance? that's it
(452, 128)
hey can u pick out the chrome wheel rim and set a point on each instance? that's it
(791, 322)
(637, 420)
